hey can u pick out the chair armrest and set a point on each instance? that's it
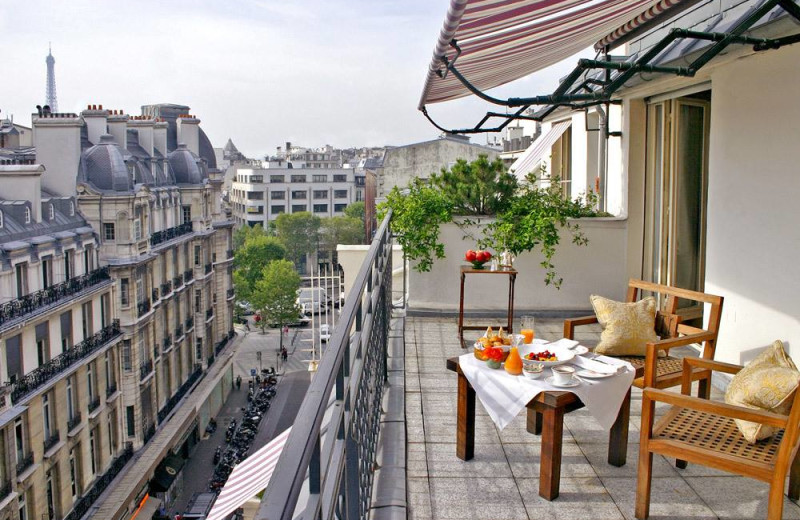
(571, 323)
(690, 366)
(715, 407)
(651, 356)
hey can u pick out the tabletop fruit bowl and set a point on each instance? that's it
(547, 357)
(477, 258)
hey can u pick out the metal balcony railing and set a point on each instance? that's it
(220, 345)
(84, 503)
(111, 389)
(5, 489)
(25, 463)
(178, 331)
(55, 293)
(168, 234)
(94, 404)
(147, 432)
(144, 307)
(188, 276)
(167, 342)
(342, 407)
(189, 324)
(177, 281)
(231, 293)
(154, 294)
(209, 313)
(145, 369)
(44, 373)
(208, 268)
(52, 441)
(166, 288)
(172, 401)
(73, 422)
(229, 253)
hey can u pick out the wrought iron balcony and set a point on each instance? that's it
(210, 360)
(229, 252)
(111, 390)
(42, 374)
(84, 503)
(155, 294)
(172, 401)
(167, 342)
(209, 313)
(144, 307)
(178, 331)
(208, 268)
(189, 323)
(177, 281)
(25, 463)
(231, 293)
(156, 351)
(5, 489)
(221, 345)
(34, 301)
(145, 369)
(147, 432)
(73, 422)
(166, 288)
(188, 276)
(52, 441)
(168, 234)
(94, 404)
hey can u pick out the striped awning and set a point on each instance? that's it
(504, 40)
(528, 161)
(248, 478)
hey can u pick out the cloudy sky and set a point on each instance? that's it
(262, 72)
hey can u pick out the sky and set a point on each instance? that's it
(261, 72)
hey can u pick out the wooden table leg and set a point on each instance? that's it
(618, 437)
(534, 422)
(465, 428)
(461, 313)
(550, 470)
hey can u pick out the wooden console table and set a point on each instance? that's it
(512, 276)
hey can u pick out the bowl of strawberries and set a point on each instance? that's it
(477, 258)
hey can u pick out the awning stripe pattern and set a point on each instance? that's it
(643, 18)
(504, 40)
(249, 478)
(528, 161)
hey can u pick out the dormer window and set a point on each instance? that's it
(27, 215)
(52, 212)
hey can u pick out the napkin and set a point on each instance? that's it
(563, 343)
(597, 366)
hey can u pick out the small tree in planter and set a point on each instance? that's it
(527, 217)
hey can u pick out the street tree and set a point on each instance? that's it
(299, 234)
(340, 230)
(356, 210)
(241, 235)
(275, 295)
(250, 260)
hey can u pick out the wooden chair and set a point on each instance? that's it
(703, 432)
(666, 372)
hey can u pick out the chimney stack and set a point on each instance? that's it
(118, 127)
(95, 119)
(145, 127)
(22, 180)
(160, 136)
(189, 132)
(58, 149)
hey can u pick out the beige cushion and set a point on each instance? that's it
(766, 383)
(627, 327)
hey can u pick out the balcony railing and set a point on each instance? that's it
(144, 307)
(111, 389)
(189, 324)
(344, 398)
(156, 351)
(231, 293)
(229, 253)
(94, 404)
(54, 293)
(41, 375)
(188, 276)
(166, 288)
(145, 369)
(177, 281)
(168, 234)
(84, 503)
(178, 331)
(167, 342)
(74, 421)
(147, 432)
(172, 401)
(25, 463)
(5, 489)
(210, 360)
(208, 268)
(52, 441)
(155, 294)
(209, 313)
(221, 345)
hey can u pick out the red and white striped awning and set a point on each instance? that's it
(528, 161)
(248, 478)
(504, 40)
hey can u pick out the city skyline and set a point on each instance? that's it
(345, 73)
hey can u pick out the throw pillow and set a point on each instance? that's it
(768, 383)
(627, 327)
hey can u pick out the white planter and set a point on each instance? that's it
(598, 268)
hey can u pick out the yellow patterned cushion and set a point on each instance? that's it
(766, 383)
(627, 327)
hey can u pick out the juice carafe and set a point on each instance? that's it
(513, 363)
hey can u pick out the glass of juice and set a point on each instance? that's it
(527, 329)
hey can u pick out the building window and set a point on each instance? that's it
(187, 213)
(298, 208)
(278, 195)
(70, 399)
(69, 264)
(276, 178)
(22, 279)
(255, 195)
(126, 355)
(320, 194)
(27, 215)
(319, 178)
(278, 209)
(90, 382)
(51, 212)
(338, 208)
(125, 291)
(320, 208)
(359, 196)
(137, 229)
(73, 473)
(198, 295)
(299, 195)
(47, 271)
(43, 342)
(23, 508)
(93, 451)
(47, 418)
(197, 255)
(112, 445)
(340, 194)
(256, 179)
(298, 178)
(340, 178)
(130, 421)
(108, 231)
(19, 439)
(51, 497)
(88, 260)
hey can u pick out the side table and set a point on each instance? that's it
(512, 277)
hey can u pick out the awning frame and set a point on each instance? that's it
(593, 91)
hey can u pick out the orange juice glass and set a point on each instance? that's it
(529, 334)
(527, 329)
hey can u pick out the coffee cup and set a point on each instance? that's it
(562, 374)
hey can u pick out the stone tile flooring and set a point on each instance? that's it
(501, 482)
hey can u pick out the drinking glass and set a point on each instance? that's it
(527, 329)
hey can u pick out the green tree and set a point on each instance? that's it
(250, 260)
(479, 187)
(356, 210)
(275, 294)
(340, 230)
(299, 234)
(241, 235)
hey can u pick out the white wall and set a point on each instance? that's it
(598, 268)
(753, 245)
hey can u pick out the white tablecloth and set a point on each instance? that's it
(504, 395)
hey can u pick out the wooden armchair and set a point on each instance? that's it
(667, 370)
(703, 432)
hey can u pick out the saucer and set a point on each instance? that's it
(591, 374)
(575, 382)
(580, 350)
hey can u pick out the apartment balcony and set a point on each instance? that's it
(209, 313)
(168, 234)
(33, 302)
(167, 343)
(178, 332)
(230, 294)
(147, 432)
(111, 389)
(154, 294)
(5, 489)
(207, 269)
(145, 369)
(25, 463)
(177, 281)
(188, 276)
(166, 288)
(143, 307)
(189, 324)
(229, 253)
(175, 399)
(54, 439)
(74, 422)
(85, 503)
(57, 365)
(156, 351)
(94, 404)
(220, 345)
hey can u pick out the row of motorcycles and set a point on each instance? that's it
(239, 435)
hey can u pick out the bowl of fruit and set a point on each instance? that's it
(490, 340)
(477, 258)
(539, 354)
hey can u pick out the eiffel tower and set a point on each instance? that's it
(51, 99)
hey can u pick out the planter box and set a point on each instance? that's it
(598, 268)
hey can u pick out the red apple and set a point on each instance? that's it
(471, 256)
(481, 256)
(487, 256)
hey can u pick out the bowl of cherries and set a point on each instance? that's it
(477, 258)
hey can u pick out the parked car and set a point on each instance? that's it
(312, 300)
(324, 332)
(245, 308)
(199, 506)
(302, 321)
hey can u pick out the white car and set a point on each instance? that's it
(324, 332)
(312, 301)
